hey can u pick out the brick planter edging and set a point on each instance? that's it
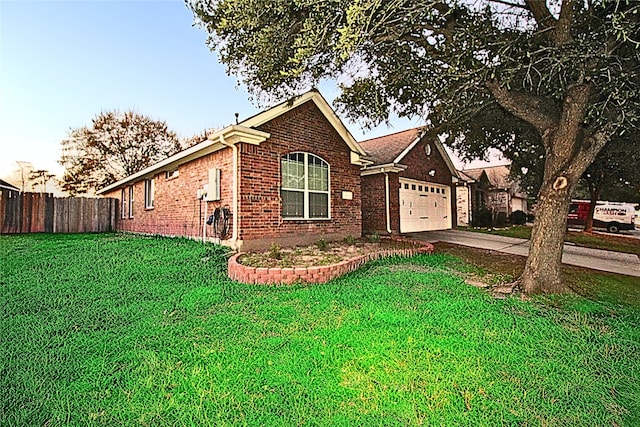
(318, 274)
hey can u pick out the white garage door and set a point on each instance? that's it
(424, 206)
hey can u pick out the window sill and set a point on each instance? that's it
(306, 219)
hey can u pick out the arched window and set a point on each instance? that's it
(305, 186)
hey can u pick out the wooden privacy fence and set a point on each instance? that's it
(43, 213)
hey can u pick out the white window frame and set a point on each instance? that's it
(149, 190)
(306, 191)
(171, 174)
(124, 205)
(131, 201)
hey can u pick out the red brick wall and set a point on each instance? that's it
(302, 129)
(177, 211)
(374, 216)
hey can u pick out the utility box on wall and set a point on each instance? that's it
(213, 189)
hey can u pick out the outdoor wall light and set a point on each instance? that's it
(432, 172)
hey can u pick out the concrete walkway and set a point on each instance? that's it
(596, 259)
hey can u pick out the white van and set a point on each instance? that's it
(615, 217)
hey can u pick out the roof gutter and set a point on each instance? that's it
(388, 167)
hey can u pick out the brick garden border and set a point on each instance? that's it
(319, 274)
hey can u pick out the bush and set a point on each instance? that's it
(482, 218)
(531, 217)
(274, 252)
(322, 245)
(518, 218)
(501, 220)
(350, 240)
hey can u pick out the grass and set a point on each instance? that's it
(120, 330)
(497, 268)
(588, 240)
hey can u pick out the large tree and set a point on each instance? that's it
(114, 146)
(565, 69)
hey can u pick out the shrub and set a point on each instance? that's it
(482, 218)
(518, 218)
(322, 245)
(501, 220)
(350, 240)
(374, 237)
(275, 252)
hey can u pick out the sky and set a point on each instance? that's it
(63, 62)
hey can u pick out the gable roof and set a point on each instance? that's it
(323, 106)
(386, 149)
(465, 177)
(498, 176)
(392, 148)
(246, 131)
(6, 186)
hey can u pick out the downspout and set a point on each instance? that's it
(234, 192)
(386, 200)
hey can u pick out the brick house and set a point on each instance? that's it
(492, 188)
(410, 186)
(289, 175)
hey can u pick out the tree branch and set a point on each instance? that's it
(523, 106)
(508, 3)
(541, 13)
(563, 27)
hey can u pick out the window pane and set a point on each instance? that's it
(318, 205)
(318, 174)
(292, 204)
(293, 171)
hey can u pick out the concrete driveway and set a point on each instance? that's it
(596, 259)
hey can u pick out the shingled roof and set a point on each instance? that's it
(386, 149)
(391, 149)
(7, 186)
(498, 176)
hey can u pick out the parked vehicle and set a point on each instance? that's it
(612, 216)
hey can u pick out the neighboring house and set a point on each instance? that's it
(410, 185)
(492, 188)
(4, 185)
(463, 199)
(289, 175)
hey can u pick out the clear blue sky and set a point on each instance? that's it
(62, 62)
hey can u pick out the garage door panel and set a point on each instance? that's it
(423, 206)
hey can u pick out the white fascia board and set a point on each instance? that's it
(388, 167)
(237, 133)
(357, 159)
(447, 159)
(406, 150)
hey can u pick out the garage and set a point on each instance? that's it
(424, 206)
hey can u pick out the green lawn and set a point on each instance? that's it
(118, 330)
(588, 240)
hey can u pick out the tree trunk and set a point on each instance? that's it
(594, 193)
(542, 270)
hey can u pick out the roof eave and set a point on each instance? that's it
(385, 168)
